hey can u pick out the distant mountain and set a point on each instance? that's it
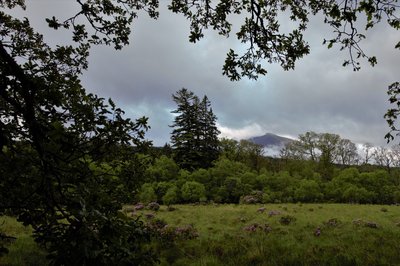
(270, 140)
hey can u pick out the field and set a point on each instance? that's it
(22, 251)
(271, 234)
(285, 234)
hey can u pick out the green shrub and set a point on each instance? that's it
(171, 196)
(193, 191)
(147, 194)
(308, 191)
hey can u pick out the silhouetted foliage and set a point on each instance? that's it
(66, 159)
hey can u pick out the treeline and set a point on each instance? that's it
(246, 176)
(318, 167)
(328, 148)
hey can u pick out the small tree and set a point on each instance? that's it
(383, 157)
(347, 152)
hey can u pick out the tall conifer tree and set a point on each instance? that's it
(195, 134)
(210, 132)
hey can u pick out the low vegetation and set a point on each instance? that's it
(22, 249)
(277, 181)
(241, 234)
(283, 234)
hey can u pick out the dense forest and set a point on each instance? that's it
(233, 178)
(318, 167)
(242, 174)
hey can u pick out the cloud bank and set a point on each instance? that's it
(319, 95)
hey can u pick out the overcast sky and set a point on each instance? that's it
(319, 95)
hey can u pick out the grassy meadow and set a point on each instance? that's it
(284, 234)
(23, 250)
(270, 234)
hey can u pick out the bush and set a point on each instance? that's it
(193, 191)
(308, 191)
(163, 169)
(355, 194)
(161, 189)
(266, 198)
(170, 233)
(171, 196)
(147, 193)
(234, 188)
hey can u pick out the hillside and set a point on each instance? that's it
(271, 140)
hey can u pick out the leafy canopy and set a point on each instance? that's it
(68, 158)
(266, 41)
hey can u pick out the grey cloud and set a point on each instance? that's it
(318, 95)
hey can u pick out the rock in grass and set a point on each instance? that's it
(258, 227)
(249, 199)
(371, 225)
(368, 224)
(154, 206)
(186, 232)
(333, 222)
(129, 209)
(157, 224)
(287, 219)
(267, 228)
(273, 213)
(171, 208)
(317, 231)
(261, 210)
(242, 219)
(149, 215)
(139, 206)
(358, 222)
(251, 227)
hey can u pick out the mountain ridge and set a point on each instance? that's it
(270, 140)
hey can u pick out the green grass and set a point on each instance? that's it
(223, 241)
(22, 251)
